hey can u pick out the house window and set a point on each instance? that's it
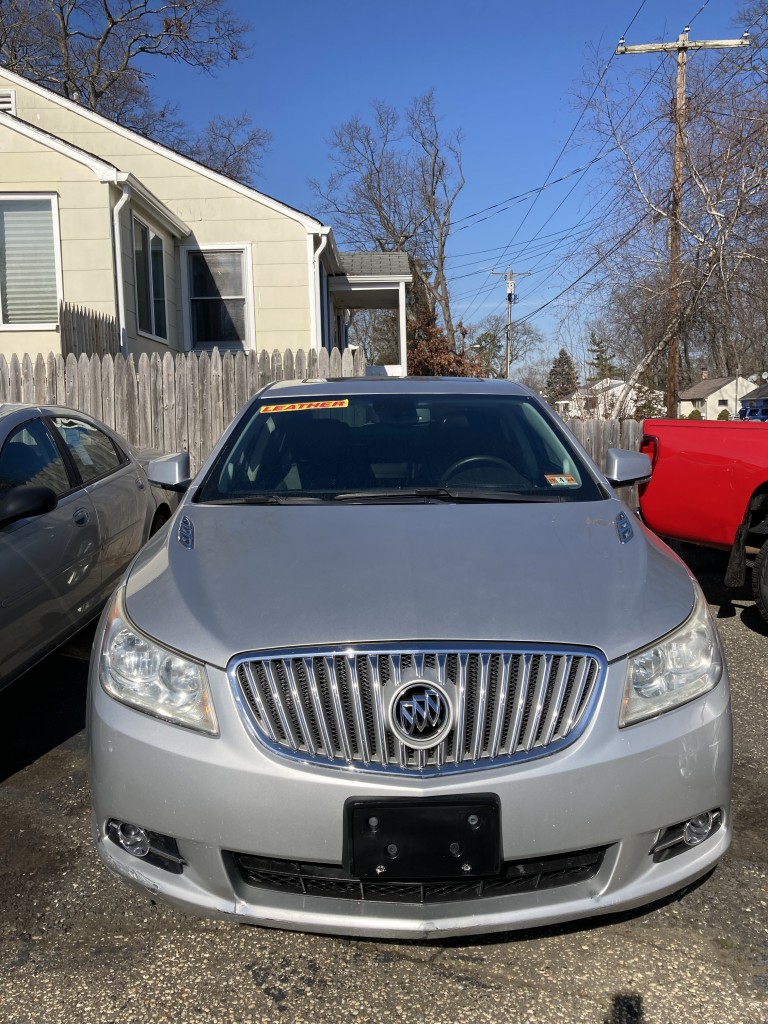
(722, 401)
(29, 292)
(217, 296)
(149, 270)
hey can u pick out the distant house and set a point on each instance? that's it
(711, 395)
(754, 405)
(600, 400)
(182, 257)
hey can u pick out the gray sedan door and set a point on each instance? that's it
(49, 565)
(118, 489)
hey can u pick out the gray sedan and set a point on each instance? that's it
(404, 665)
(75, 507)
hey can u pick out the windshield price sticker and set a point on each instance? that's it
(340, 403)
(561, 480)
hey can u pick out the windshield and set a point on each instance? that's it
(389, 447)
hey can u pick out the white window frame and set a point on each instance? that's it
(249, 342)
(151, 234)
(53, 198)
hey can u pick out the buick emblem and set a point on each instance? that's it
(420, 714)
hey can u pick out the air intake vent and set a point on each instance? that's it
(8, 101)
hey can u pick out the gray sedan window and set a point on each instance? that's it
(30, 456)
(94, 453)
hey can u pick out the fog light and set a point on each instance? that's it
(152, 847)
(134, 840)
(698, 829)
(676, 839)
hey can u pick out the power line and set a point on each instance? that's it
(561, 237)
(567, 142)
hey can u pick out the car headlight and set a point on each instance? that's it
(149, 677)
(684, 665)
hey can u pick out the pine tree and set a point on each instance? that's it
(600, 364)
(562, 379)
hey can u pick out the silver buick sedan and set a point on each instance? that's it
(405, 666)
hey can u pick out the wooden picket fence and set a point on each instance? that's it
(86, 332)
(181, 401)
(184, 401)
(598, 436)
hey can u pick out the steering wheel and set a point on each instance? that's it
(476, 460)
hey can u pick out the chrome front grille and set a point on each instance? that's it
(334, 706)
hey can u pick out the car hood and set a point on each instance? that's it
(262, 577)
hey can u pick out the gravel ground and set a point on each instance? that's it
(77, 946)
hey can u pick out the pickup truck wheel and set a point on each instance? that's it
(760, 581)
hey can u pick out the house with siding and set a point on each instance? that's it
(713, 396)
(183, 258)
(600, 399)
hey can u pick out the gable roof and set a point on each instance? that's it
(759, 392)
(307, 220)
(705, 388)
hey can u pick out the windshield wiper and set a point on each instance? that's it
(265, 499)
(459, 494)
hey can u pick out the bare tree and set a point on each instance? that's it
(99, 52)
(487, 340)
(376, 331)
(233, 145)
(393, 187)
(723, 221)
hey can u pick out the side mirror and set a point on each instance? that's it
(170, 472)
(623, 467)
(23, 502)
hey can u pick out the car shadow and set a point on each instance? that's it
(44, 707)
(709, 567)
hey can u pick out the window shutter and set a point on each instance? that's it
(27, 263)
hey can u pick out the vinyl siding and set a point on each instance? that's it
(217, 214)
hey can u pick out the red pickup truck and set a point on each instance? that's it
(710, 487)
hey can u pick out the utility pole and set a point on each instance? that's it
(512, 298)
(681, 48)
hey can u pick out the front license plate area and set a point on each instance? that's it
(426, 838)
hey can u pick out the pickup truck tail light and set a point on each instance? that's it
(649, 445)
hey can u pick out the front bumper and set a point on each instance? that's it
(219, 796)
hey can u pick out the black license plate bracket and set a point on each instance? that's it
(424, 838)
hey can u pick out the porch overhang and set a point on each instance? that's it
(374, 281)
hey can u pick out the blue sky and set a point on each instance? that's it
(503, 72)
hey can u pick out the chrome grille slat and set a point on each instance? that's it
(482, 697)
(537, 704)
(357, 709)
(519, 704)
(379, 719)
(461, 714)
(317, 705)
(341, 725)
(553, 713)
(333, 706)
(501, 705)
(298, 705)
(259, 702)
(277, 703)
(575, 699)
